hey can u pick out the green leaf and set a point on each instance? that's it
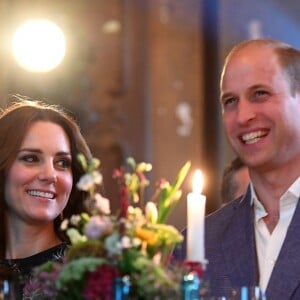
(76, 269)
(171, 194)
(127, 264)
(82, 160)
(131, 162)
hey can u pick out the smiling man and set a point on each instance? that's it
(255, 240)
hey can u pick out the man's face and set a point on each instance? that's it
(260, 115)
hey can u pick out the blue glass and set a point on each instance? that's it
(247, 293)
(244, 293)
(7, 291)
(190, 287)
(121, 288)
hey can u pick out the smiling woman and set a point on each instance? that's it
(38, 168)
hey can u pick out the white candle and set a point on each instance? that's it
(195, 220)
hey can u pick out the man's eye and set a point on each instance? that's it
(229, 101)
(260, 93)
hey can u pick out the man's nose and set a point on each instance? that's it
(245, 111)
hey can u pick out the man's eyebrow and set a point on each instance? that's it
(226, 95)
(257, 86)
(251, 88)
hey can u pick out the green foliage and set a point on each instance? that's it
(171, 194)
(74, 271)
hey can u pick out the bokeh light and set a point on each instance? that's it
(39, 45)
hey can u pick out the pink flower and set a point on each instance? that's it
(102, 204)
(97, 226)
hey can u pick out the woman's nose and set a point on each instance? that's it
(48, 172)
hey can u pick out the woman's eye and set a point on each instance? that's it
(64, 163)
(29, 158)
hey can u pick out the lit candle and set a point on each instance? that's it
(195, 220)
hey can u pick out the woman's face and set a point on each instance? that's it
(39, 181)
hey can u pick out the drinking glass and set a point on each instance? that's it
(247, 293)
(7, 291)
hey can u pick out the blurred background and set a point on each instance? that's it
(141, 76)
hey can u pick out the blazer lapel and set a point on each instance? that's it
(239, 245)
(285, 277)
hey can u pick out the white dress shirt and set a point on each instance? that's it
(268, 244)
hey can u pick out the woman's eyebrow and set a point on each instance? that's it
(30, 150)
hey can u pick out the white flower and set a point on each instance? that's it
(102, 204)
(157, 259)
(113, 245)
(97, 177)
(85, 182)
(64, 224)
(126, 242)
(136, 242)
(75, 219)
(151, 212)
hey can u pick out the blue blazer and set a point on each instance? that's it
(231, 252)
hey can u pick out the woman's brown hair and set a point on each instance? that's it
(14, 123)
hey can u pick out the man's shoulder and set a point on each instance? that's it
(223, 216)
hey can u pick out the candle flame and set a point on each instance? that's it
(198, 182)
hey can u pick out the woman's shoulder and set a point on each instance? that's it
(25, 265)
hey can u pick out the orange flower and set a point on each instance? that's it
(146, 235)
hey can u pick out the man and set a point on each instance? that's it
(255, 240)
(235, 180)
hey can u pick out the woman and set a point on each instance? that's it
(38, 175)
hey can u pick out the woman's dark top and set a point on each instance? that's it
(20, 269)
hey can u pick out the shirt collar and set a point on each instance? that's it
(289, 198)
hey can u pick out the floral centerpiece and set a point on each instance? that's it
(130, 248)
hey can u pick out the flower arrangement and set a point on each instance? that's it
(131, 247)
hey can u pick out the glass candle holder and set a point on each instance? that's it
(190, 286)
(7, 290)
(121, 288)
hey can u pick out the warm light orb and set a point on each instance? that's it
(198, 182)
(39, 45)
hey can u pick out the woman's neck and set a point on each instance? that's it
(30, 240)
